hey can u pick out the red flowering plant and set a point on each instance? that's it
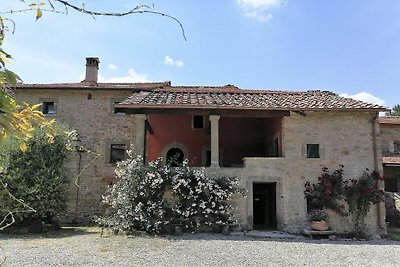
(327, 192)
(361, 194)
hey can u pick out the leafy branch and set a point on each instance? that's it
(39, 8)
(6, 222)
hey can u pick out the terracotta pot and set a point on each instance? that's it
(319, 225)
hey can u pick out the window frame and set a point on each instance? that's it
(109, 147)
(203, 124)
(308, 151)
(115, 101)
(45, 104)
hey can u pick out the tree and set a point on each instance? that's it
(37, 176)
(395, 111)
(21, 124)
(20, 121)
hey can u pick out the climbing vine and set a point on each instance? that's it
(327, 192)
(332, 190)
(360, 195)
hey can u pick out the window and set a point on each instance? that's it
(396, 147)
(48, 107)
(198, 122)
(115, 110)
(117, 152)
(118, 110)
(312, 151)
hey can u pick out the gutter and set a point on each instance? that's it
(381, 184)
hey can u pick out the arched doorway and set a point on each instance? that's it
(175, 157)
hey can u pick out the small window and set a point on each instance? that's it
(118, 110)
(396, 147)
(117, 152)
(198, 122)
(48, 107)
(312, 151)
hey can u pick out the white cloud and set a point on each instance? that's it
(259, 4)
(260, 16)
(366, 97)
(112, 67)
(131, 77)
(169, 61)
(258, 9)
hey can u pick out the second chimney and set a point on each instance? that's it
(92, 70)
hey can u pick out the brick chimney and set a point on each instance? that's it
(92, 70)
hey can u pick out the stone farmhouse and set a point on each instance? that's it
(274, 141)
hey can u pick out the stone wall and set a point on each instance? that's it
(389, 134)
(97, 127)
(345, 138)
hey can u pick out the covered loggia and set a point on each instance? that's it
(190, 136)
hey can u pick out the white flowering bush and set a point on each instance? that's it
(150, 197)
(201, 199)
(136, 201)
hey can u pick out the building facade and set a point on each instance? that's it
(273, 141)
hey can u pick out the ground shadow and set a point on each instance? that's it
(62, 233)
(294, 239)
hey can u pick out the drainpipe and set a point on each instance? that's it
(77, 188)
(381, 184)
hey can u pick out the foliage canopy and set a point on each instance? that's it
(36, 178)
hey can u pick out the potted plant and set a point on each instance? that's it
(318, 220)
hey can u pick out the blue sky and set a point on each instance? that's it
(350, 47)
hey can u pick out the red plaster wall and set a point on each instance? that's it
(242, 137)
(177, 128)
(238, 137)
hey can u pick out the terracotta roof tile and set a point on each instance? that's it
(96, 86)
(233, 97)
(390, 120)
(163, 95)
(391, 160)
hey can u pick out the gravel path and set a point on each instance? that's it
(82, 248)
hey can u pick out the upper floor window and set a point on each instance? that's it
(116, 110)
(313, 151)
(396, 147)
(198, 122)
(49, 107)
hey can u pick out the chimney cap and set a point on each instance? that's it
(92, 61)
(92, 71)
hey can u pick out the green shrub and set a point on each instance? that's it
(37, 177)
